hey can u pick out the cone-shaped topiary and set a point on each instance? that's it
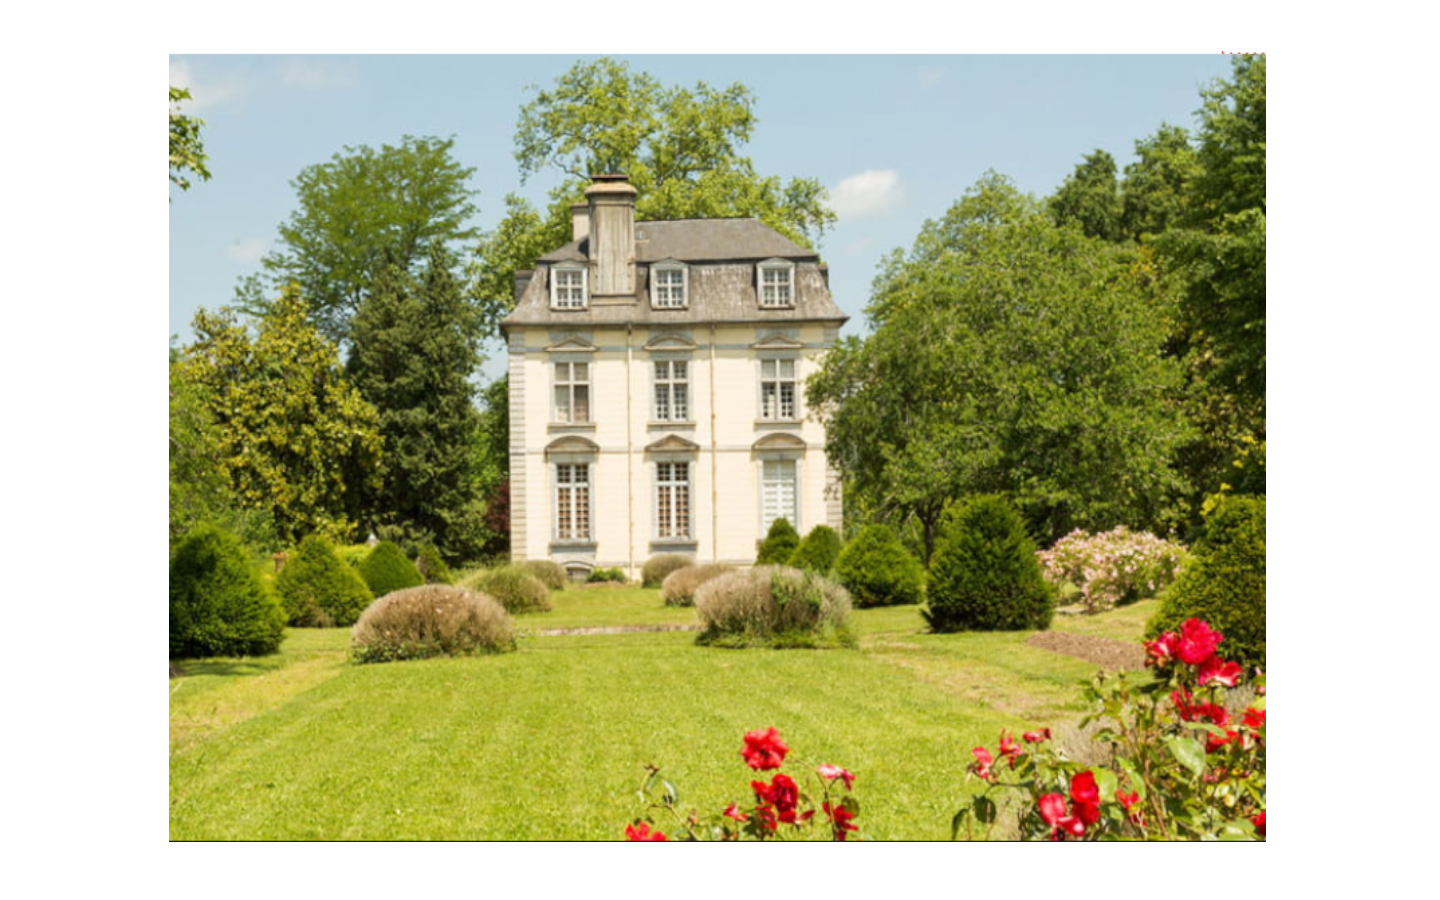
(818, 552)
(432, 566)
(779, 543)
(386, 568)
(1224, 583)
(218, 606)
(318, 590)
(985, 575)
(877, 570)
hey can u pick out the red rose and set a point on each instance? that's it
(640, 831)
(764, 749)
(830, 773)
(1083, 788)
(1217, 671)
(1008, 747)
(1162, 649)
(1197, 642)
(1035, 737)
(734, 812)
(784, 793)
(840, 817)
(981, 766)
(1259, 823)
(1254, 718)
(1052, 808)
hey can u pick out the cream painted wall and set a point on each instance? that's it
(725, 468)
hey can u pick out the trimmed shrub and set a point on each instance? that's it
(387, 568)
(773, 606)
(551, 574)
(317, 590)
(218, 606)
(1111, 569)
(658, 568)
(353, 554)
(780, 541)
(1224, 583)
(985, 575)
(432, 566)
(818, 552)
(431, 620)
(679, 587)
(616, 576)
(877, 569)
(516, 589)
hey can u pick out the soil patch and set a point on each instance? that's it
(1106, 653)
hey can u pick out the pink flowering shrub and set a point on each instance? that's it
(1113, 568)
(1184, 766)
(781, 810)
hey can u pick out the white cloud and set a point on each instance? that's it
(205, 93)
(314, 73)
(874, 192)
(929, 78)
(248, 250)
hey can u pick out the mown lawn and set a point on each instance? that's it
(550, 742)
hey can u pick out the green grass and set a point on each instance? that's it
(550, 742)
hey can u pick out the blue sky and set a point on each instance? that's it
(895, 139)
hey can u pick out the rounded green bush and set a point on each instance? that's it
(551, 574)
(318, 590)
(658, 568)
(218, 605)
(432, 566)
(516, 589)
(773, 606)
(818, 552)
(780, 541)
(877, 570)
(386, 568)
(985, 575)
(679, 587)
(1224, 582)
(431, 620)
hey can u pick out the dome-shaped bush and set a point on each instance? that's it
(877, 570)
(985, 575)
(516, 589)
(679, 587)
(773, 606)
(386, 568)
(780, 541)
(658, 568)
(1224, 583)
(431, 620)
(318, 590)
(550, 573)
(818, 552)
(432, 566)
(218, 605)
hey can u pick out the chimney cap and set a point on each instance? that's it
(611, 184)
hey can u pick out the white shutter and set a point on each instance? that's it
(778, 492)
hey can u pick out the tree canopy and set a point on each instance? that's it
(361, 212)
(1009, 355)
(187, 150)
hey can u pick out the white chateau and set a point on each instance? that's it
(656, 390)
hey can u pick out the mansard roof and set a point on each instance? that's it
(697, 240)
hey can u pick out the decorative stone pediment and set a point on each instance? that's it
(572, 443)
(571, 344)
(778, 441)
(777, 342)
(669, 341)
(672, 443)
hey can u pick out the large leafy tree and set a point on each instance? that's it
(361, 212)
(680, 147)
(1154, 192)
(1090, 198)
(295, 440)
(187, 150)
(1009, 355)
(414, 350)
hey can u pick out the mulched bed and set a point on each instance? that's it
(1108, 654)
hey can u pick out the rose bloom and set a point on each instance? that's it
(734, 812)
(830, 773)
(764, 749)
(1008, 747)
(1197, 642)
(1259, 823)
(1162, 649)
(983, 759)
(840, 819)
(1035, 737)
(1217, 671)
(642, 832)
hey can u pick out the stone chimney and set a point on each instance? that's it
(612, 239)
(579, 221)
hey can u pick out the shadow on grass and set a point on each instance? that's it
(224, 667)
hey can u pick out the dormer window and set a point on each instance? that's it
(668, 285)
(567, 286)
(775, 284)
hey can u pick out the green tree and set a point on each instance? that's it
(780, 541)
(818, 551)
(1090, 198)
(318, 589)
(218, 606)
(361, 212)
(986, 576)
(1009, 356)
(493, 464)
(877, 569)
(295, 439)
(414, 350)
(187, 150)
(1153, 195)
(386, 568)
(680, 147)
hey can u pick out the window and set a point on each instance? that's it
(777, 493)
(777, 389)
(667, 287)
(572, 501)
(572, 392)
(776, 284)
(672, 391)
(567, 287)
(672, 500)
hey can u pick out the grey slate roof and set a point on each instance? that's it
(721, 254)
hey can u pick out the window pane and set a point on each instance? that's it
(581, 371)
(562, 403)
(582, 403)
(682, 406)
(787, 368)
